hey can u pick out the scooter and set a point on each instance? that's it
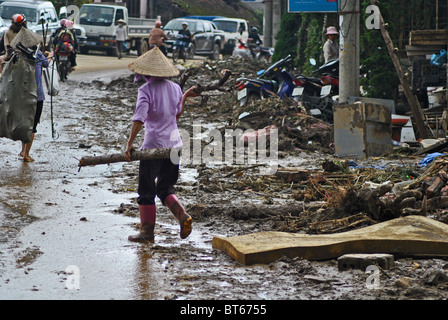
(63, 53)
(180, 51)
(254, 50)
(329, 73)
(310, 86)
(274, 81)
(318, 96)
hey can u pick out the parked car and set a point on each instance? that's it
(207, 39)
(34, 12)
(3, 28)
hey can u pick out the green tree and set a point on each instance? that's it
(378, 76)
(301, 34)
(287, 36)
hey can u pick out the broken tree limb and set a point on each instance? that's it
(159, 153)
(412, 99)
(215, 85)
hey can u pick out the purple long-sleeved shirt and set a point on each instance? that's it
(158, 103)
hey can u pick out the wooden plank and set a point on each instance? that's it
(411, 235)
(427, 42)
(412, 51)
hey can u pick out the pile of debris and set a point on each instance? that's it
(296, 129)
(358, 201)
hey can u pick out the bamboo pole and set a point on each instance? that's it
(159, 153)
(412, 99)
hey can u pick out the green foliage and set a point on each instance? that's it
(379, 79)
(378, 75)
(287, 37)
(312, 47)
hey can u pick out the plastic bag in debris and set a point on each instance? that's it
(18, 99)
(51, 78)
(439, 59)
(429, 159)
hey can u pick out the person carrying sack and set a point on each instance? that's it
(18, 88)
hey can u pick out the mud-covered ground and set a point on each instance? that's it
(54, 216)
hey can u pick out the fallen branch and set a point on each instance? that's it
(215, 85)
(159, 153)
(242, 169)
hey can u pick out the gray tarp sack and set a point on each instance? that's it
(18, 99)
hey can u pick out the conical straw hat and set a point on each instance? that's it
(27, 37)
(154, 63)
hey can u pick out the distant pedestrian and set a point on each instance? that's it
(41, 62)
(160, 103)
(331, 48)
(121, 36)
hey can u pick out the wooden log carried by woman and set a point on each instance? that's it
(159, 153)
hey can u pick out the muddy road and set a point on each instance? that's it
(63, 232)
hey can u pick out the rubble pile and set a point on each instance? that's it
(334, 197)
(297, 130)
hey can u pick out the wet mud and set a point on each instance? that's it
(63, 231)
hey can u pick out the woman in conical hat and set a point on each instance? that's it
(160, 103)
(331, 49)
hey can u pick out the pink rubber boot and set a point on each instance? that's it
(185, 221)
(148, 222)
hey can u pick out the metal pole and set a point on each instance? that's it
(349, 25)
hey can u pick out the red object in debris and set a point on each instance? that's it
(399, 122)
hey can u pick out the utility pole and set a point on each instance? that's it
(267, 23)
(349, 26)
(276, 19)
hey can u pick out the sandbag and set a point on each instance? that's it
(18, 99)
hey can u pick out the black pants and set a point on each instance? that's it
(39, 108)
(166, 174)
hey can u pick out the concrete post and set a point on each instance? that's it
(143, 8)
(276, 19)
(349, 26)
(267, 23)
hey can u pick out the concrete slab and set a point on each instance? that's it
(411, 235)
(361, 261)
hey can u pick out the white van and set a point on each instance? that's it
(34, 12)
(233, 29)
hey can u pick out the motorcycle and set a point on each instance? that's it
(330, 75)
(179, 50)
(310, 86)
(245, 49)
(63, 53)
(274, 81)
(318, 95)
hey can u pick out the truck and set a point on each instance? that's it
(206, 40)
(99, 21)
